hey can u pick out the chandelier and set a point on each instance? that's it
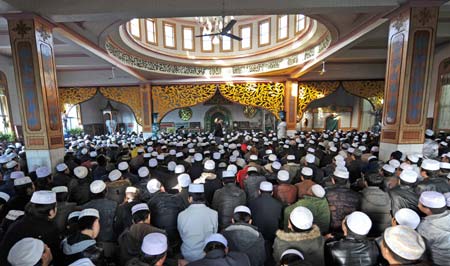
(213, 24)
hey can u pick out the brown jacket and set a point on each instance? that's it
(286, 193)
(304, 188)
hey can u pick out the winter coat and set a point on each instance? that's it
(294, 172)
(377, 205)
(251, 185)
(211, 184)
(116, 190)
(435, 229)
(342, 201)
(267, 213)
(80, 193)
(123, 216)
(130, 240)
(64, 209)
(107, 210)
(285, 193)
(80, 246)
(403, 196)
(225, 200)
(351, 251)
(432, 184)
(247, 239)
(62, 179)
(218, 257)
(318, 207)
(311, 244)
(304, 188)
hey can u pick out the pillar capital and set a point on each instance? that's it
(290, 105)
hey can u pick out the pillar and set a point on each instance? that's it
(412, 34)
(34, 67)
(290, 106)
(146, 96)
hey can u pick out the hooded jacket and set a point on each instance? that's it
(435, 229)
(245, 238)
(79, 246)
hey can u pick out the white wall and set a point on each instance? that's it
(6, 66)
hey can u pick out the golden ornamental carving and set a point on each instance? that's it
(171, 97)
(127, 95)
(269, 96)
(372, 90)
(75, 96)
(311, 91)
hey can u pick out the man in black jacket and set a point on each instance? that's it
(403, 195)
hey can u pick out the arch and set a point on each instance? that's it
(4, 85)
(217, 112)
(311, 91)
(74, 96)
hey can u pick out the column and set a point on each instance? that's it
(146, 95)
(290, 105)
(34, 67)
(411, 44)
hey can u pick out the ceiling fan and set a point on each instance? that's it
(225, 31)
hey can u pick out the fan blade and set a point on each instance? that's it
(232, 36)
(204, 35)
(228, 27)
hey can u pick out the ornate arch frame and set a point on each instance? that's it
(216, 109)
(4, 82)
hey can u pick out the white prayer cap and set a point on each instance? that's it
(80, 172)
(153, 185)
(388, 168)
(339, 172)
(43, 197)
(227, 174)
(293, 252)
(445, 166)
(406, 166)
(409, 176)
(43, 171)
(283, 175)
(340, 163)
(209, 165)
(268, 151)
(350, 150)
(310, 158)
(84, 151)
(152, 163)
(198, 157)
(306, 171)
(26, 252)
(359, 223)
(22, 181)
(172, 152)
(74, 214)
(430, 165)
(147, 155)
(311, 150)
(333, 149)
(272, 157)
(253, 157)
(61, 167)
(429, 132)
(432, 199)
(114, 175)
(371, 158)
(143, 172)
(4, 196)
(276, 165)
(232, 168)
(394, 163)
(154, 244)
(265, 186)
(160, 157)
(407, 217)
(242, 208)
(60, 189)
(16, 174)
(318, 190)
(404, 242)
(184, 180)
(89, 212)
(302, 218)
(374, 149)
(3, 159)
(338, 158)
(139, 207)
(216, 156)
(196, 188)
(179, 169)
(97, 186)
(216, 238)
(123, 166)
(82, 262)
(140, 150)
(290, 157)
(443, 143)
(93, 154)
(14, 214)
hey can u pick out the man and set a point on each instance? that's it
(227, 198)
(354, 248)
(124, 169)
(285, 192)
(116, 186)
(429, 171)
(80, 193)
(293, 168)
(218, 130)
(403, 195)
(63, 178)
(217, 254)
(244, 237)
(281, 129)
(196, 223)
(209, 179)
(430, 147)
(123, 218)
(252, 182)
(356, 165)
(64, 207)
(435, 227)
(30, 251)
(306, 182)
(402, 245)
(153, 251)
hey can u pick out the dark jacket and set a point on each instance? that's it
(130, 240)
(433, 184)
(245, 238)
(218, 257)
(267, 214)
(355, 167)
(251, 185)
(78, 246)
(80, 193)
(64, 209)
(342, 202)
(350, 251)
(310, 243)
(285, 193)
(403, 196)
(116, 190)
(100, 173)
(377, 205)
(107, 210)
(62, 179)
(123, 216)
(224, 202)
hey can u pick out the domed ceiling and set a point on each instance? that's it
(253, 45)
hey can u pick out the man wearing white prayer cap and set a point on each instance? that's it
(406, 217)
(354, 248)
(30, 251)
(196, 223)
(118, 184)
(430, 147)
(285, 192)
(435, 227)
(401, 245)
(153, 250)
(82, 262)
(429, 171)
